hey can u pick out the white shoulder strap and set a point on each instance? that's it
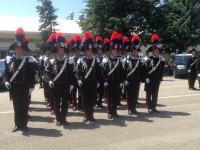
(91, 67)
(61, 71)
(154, 68)
(193, 63)
(113, 69)
(18, 69)
(131, 72)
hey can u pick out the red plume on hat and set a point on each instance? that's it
(19, 34)
(60, 37)
(106, 45)
(88, 40)
(99, 41)
(72, 41)
(52, 38)
(155, 39)
(125, 44)
(106, 41)
(68, 42)
(77, 39)
(115, 39)
(135, 41)
(120, 39)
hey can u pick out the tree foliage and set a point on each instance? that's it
(47, 18)
(177, 22)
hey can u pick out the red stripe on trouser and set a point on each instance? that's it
(147, 100)
(189, 82)
(127, 101)
(73, 96)
(54, 105)
(198, 80)
(83, 101)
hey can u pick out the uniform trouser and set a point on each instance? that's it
(112, 94)
(61, 97)
(74, 100)
(120, 95)
(152, 93)
(20, 97)
(46, 89)
(100, 93)
(132, 93)
(51, 97)
(89, 95)
(191, 79)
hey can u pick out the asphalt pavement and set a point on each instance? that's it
(176, 127)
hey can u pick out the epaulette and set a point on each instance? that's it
(97, 59)
(70, 60)
(79, 60)
(52, 61)
(105, 60)
(45, 59)
(162, 58)
(8, 59)
(31, 59)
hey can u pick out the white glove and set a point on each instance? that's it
(120, 85)
(189, 70)
(198, 75)
(42, 77)
(8, 86)
(105, 84)
(51, 84)
(98, 84)
(30, 91)
(126, 82)
(71, 88)
(147, 80)
(80, 83)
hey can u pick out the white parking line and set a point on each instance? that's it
(9, 112)
(6, 112)
(178, 96)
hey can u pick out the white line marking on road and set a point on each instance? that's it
(9, 112)
(6, 112)
(178, 96)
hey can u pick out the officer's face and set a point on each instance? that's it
(134, 53)
(114, 52)
(156, 52)
(77, 53)
(99, 51)
(18, 51)
(194, 53)
(89, 53)
(61, 52)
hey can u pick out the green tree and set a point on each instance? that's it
(183, 25)
(47, 18)
(176, 22)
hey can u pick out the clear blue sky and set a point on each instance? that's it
(27, 7)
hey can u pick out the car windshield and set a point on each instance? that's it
(2, 66)
(182, 59)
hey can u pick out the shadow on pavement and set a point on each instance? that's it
(163, 114)
(38, 103)
(42, 132)
(80, 125)
(140, 118)
(41, 119)
(39, 109)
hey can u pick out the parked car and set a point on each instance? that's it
(2, 76)
(177, 66)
